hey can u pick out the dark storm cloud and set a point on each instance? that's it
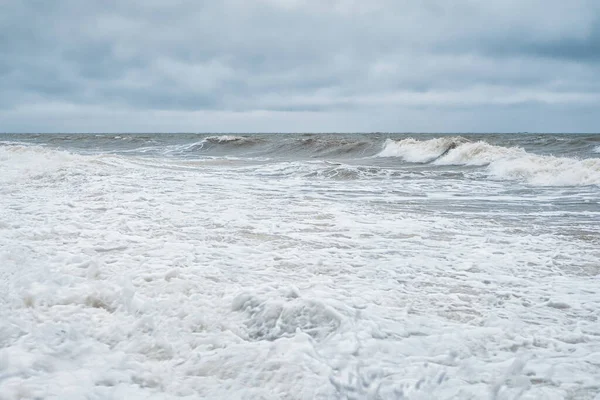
(586, 49)
(355, 63)
(580, 48)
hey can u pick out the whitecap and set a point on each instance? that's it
(419, 151)
(547, 170)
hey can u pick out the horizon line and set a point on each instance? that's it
(304, 132)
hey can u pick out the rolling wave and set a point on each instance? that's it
(223, 139)
(311, 146)
(510, 163)
(420, 151)
(547, 170)
(491, 161)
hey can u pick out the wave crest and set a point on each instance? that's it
(509, 163)
(420, 151)
(547, 170)
(228, 139)
(478, 153)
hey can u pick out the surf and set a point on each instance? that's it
(503, 163)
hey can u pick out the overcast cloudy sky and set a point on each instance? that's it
(299, 65)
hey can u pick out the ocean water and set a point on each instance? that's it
(300, 266)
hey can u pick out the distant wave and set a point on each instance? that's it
(310, 146)
(219, 143)
(13, 143)
(502, 162)
(597, 149)
(320, 169)
(229, 139)
(327, 146)
(211, 144)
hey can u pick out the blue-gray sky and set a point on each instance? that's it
(294, 65)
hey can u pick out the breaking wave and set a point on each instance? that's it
(229, 139)
(19, 161)
(420, 151)
(331, 157)
(27, 163)
(478, 153)
(547, 170)
(510, 163)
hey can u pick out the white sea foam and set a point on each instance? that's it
(547, 170)
(22, 162)
(318, 169)
(420, 151)
(182, 148)
(597, 149)
(126, 277)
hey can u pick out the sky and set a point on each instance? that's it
(300, 66)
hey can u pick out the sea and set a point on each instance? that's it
(300, 266)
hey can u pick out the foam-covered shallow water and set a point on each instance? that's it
(364, 266)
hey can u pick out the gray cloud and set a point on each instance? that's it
(290, 65)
